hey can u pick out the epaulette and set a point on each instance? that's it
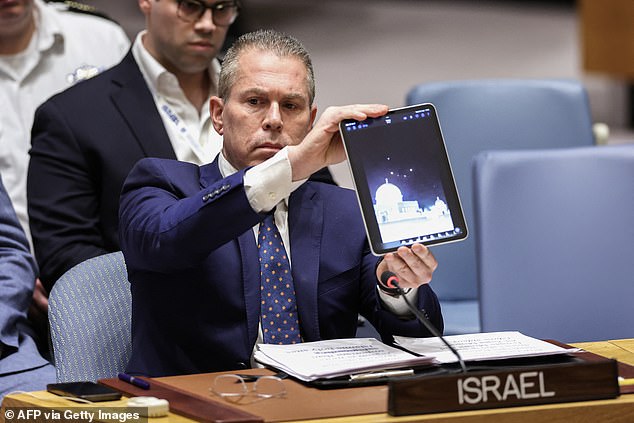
(77, 7)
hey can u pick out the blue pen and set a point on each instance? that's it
(140, 383)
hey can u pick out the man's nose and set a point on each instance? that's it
(273, 118)
(206, 21)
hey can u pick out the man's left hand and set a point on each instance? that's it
(413, 265)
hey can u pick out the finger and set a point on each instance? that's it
(364, 111)
(418, 265)
(425, 255)
(333, 115)
(398, 266)
(40, 296)
(420, 261)
(415, 270)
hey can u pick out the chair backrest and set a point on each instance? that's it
(90, 315)
(481, 115)
(555, 242)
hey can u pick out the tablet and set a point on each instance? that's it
(403, 179)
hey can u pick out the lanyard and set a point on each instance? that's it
(181, 128)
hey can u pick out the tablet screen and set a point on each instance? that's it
(403, 179)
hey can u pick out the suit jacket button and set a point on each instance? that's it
(241, 365)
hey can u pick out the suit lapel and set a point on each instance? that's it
(251, 281)
(248, 256)
(136, 105)
(305, 220)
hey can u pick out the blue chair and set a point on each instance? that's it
(494, 114)
(554, 242)
(90, 315)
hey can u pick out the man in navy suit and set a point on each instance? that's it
(154, 103)
(188, 233)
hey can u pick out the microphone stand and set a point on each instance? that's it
(393, 280)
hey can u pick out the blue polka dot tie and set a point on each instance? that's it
(280, 324)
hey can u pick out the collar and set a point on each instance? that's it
(48, 28)
(160, 80)
(225, 167)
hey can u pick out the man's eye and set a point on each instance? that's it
(253, 101)
(290, 106)
(190, 7)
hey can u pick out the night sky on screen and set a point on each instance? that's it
(407, 161)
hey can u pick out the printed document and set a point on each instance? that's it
(309, 361)
(482, 346)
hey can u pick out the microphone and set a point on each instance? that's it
(391, 281)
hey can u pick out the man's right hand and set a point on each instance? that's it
(322, 146)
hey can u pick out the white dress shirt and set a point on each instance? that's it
(65, 48)
(190, 130)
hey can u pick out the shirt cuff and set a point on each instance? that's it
(270, 182)
(397, 305)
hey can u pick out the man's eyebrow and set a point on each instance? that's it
(263, 93)
(253, 91)
(296, 96)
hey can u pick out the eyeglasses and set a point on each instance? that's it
(234, 388)
(223, 13)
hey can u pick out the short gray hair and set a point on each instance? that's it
(269, 40)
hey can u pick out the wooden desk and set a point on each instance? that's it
(621, 350)
(612, 411)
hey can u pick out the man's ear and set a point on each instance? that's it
(216, 106)
(145, 6)
(313, 115)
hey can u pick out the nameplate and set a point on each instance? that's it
(504, 388)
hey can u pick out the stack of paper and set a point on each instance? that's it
(482, 346)
(309, 361)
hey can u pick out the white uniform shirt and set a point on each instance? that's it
(65, 48)
(190, 131)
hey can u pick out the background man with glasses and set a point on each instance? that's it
(244, 250)
(154, 103)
